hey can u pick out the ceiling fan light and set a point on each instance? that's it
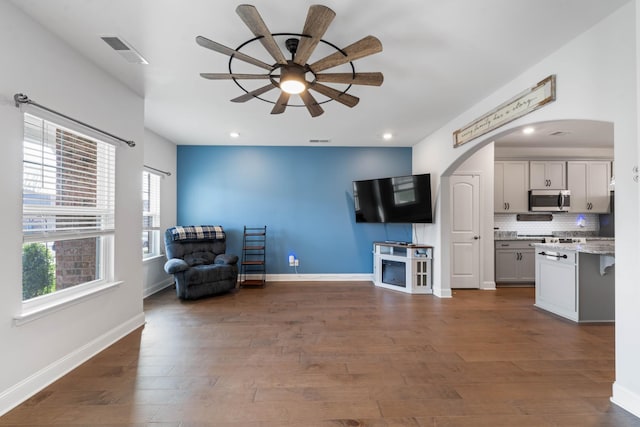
(292, 80)
(292, 86)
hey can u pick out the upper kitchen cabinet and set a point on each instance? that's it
(547, 175)
(511, 182)
(588, 182)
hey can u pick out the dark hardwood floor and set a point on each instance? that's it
(341, 354)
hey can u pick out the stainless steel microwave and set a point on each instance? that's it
(549, 200)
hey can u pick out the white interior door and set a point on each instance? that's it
(465, 231)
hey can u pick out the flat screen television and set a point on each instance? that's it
(400, 199)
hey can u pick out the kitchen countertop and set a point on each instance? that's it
(519, 239)
(538, 238)
(591, 247)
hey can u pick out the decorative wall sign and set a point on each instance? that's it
(525, 102)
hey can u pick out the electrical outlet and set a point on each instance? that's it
(296, 263)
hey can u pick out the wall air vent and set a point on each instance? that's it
(559, 133)
(124, 49)
(319, 141)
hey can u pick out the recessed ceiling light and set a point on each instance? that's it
(528, 130)
(387, 136)
(234, 135)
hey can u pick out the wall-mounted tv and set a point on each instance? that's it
(400, 199)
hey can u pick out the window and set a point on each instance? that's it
(68, 209)
(150, 214)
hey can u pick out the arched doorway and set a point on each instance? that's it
(561, 140)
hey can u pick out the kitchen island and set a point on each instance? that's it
(576, 280)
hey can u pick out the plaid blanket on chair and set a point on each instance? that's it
(193, 232)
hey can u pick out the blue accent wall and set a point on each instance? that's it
(302, 194)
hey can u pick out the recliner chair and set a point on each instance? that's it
(196, 257)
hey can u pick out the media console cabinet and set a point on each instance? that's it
(403, 267)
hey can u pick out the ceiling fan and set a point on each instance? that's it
(295, 76)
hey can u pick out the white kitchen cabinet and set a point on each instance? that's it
(557, 283)
(515, 262)
(575, 282)
(511, 184)
(547, 175)
(588, 182)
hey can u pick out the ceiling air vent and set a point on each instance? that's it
(319, 141)
(124, 49)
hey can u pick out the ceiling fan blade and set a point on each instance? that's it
(250, 16)
(364, 47)
(281, 104)
(227, 76)
(343, 98)
(318, 20)
(217, 47)
(255, 93)
(310, 102)
(369, 79)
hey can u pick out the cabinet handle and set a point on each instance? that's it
(553, 255)
(508, 205)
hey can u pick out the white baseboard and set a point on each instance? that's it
(26, 388)
(626, 399)
(157, 287)
(319, 277)
(442, 293)
(488, 286)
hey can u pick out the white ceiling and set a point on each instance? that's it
(584, 134)
(439, 58)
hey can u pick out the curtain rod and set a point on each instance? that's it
(21, 98)
(158, 170)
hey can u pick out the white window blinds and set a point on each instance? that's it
(150, 201)
(68, 183)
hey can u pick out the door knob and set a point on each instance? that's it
(476, 237)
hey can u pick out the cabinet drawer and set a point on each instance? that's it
(511, 244)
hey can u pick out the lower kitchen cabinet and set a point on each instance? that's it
(578, 286)
(515, 262)
(556, 283)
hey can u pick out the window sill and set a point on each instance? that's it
(153, 258)
(36, 312)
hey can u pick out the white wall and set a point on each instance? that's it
(542, 153)
(41, 66)
(597, 80)
(160, 153)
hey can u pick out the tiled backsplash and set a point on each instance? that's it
(560, 222)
